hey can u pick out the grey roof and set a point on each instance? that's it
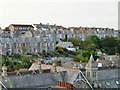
(34, 40)
(20, 40)
(13, 40)
(108, 76)
(70, 75)
(30, 80)
(91, 63)
(37, 32)
(3, 40)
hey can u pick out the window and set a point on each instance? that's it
(78, 85)
(88, 74)
(94, 74)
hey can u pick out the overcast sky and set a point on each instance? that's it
(88, 13)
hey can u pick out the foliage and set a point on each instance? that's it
(14, 64)
(64, 40)
(93, 39)
(110, 45)
(22, 32)
(58, 63)
(75, 41)
(57, 42)
(59, 49)
(118, 46)
(49, 63)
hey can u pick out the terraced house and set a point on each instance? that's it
(55, 31)
(26, 45)
(59, 32)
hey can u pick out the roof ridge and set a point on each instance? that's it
(26, 71)
(64, 67)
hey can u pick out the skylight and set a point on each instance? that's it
(117, 82)
(107, 83)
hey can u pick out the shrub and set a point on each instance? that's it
(59, 49)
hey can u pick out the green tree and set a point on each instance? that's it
(118, 46)
(25, 65)
(49, 63)
(59, 49)
(109, 45)
(25, 58)
(75, 41)
(58, 63)
(93, 39)
(66, 37)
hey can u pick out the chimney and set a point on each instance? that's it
(40, 23)
(39, 65)
(54, 24)
(81, 64)
(28, 28)
(54, 67)
(75, 65)
(4, 73)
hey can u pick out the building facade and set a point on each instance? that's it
(26, 45)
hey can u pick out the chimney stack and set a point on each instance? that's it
(75, 65)
(4, 73)
(54, 24)
(40, 23)
(28, 28)
(54, 67)
(39, 65)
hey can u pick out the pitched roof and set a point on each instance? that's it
(91, 63)
(110, 76)
(71, 73)
(30, 80)
(64, 44)
(22, 25)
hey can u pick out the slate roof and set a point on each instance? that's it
(13, 40)
(109, 76)
(30, 80)
(22, 25)
(71, 73)
(91, 63)
(20, 40)
(3, 40)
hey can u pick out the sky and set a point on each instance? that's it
(68, 13)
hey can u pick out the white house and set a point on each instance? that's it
(71, 49)
(65, 44)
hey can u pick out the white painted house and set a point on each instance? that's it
(65, 44)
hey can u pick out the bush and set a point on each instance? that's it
(59, 49)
